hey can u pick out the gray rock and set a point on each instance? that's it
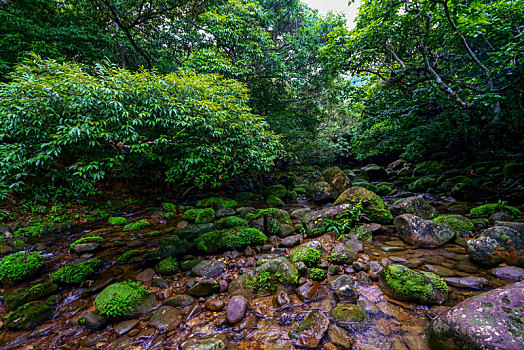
(166, 318)
(285, 230)
(125, 326)
(204, 288)
(180, 300)
(214, 343)
(146, 275)
(492, 320)
(477, 283)
(517, 226)
(291, 241)
(236, 309)
(416, 206)
(497, 245)
(223, 212)
(209, 269)
(510, 273)
(342, 254)
(311, 331)
(82, 248)
(189, 233)
(422, 233)
(92, 320)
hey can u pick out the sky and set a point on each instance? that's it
(324, 6)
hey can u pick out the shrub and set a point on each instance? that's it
(19, 266)
(76, 273)
(90, 239)
(137, 225)
(230, 238)
(120, 300)
(308, 255)
(116, 221)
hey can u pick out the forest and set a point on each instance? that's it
(254, 174)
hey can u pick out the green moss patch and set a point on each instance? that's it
(217, 202)
(121, 300)
(76, 273)
(126, 256)
(231, 222)
(90, 239)
(229, 239)
(117, 220)
(137, 225)
(205, 216)
(20, 266)
(484, 211)
(308, 255)
(456, 222)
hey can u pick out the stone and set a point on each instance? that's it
(125, 326)
(92, 320)
(313, 218)
(497, 245)
(285, 230)
(374, 207)
(339, 337)
(146, 275)
(336, 178)
(311, 330)
(204, 288)
(166, 318)
(346, 292)
(281, 273)
(214, 343)
(82, 248)
(510, 273)
(22, 296)
(281, 299)
(307, 291)
(236, 309)
(349, 316)
(517, 226)
(321, 192)
(422, 233)
(191, 232)
(439, 270)
(180, 300)
(476, 283)
(291, 241)
(339, 281)
(416, 206)
(209, 269)
(29, 316)
(214, 305)
(342, 254)
(492, 320)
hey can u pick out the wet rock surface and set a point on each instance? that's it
(422, 233)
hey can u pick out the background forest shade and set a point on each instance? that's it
(412, 79)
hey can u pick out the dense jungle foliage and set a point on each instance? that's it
(197, 92)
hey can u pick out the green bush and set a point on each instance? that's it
(90, 239)
(308, 255)
(116, 221)
(229, 239)
(76, 273)
(120, 300)
(19, 266)
(205, 216)
(137, 225)
(484, 211)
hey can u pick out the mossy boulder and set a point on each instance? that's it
(367, 185)
(191, 214)
(414, 205)
(349, 316)
(424, 183)
(274, 201)
(342, 254)
(29, 316)
(274, 219)
(375, 172)
(19, 267)
(321, 192)
(428, 167)
(422, 233)
(76, 273)
(492, 320)
(22, 296)
(191, 232)
(217, 202)
(279, 191)
(374, 207)
(486, 210)
(231, 222)
(309, 332)
(121, 300)
(205, 216)
(402, 283)
(167, 266)
(309, 256)
(137, 225)
(127, 256)
(233, 238)
(458, 223)
(336, 178)
(272, 274)
(497, 245)
(458, 183)
(173, 246)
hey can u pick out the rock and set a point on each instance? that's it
(499, 216)
(274, 219)
(321, 192)
(166, 318)
(291, 241)
(339, 337)
(189, 233)
(397, 166)
(477, 283)
(374, 207)
(346, 292)
(497, 245)
(336, 178)
(510, 273)
(422, 233)
(285, 230)
(214, 305)
(375, 172)
(517, 226)
(492, 320)
(146, 275)
(132, 300)
(209, 269)
(312, 219)
(342, 254)
(214, 343)
(180, 300)
(236, 309)
(22, 296)
(29, 316)
(281, 299)
(416, 206)
(92, 320)
(311, 330)
(349, 316)
(82, 248)
(125, 326)
(223, 212)
(339, 281)
(280, 271)
(439, 270)
(204, 288)
(5, 249)
(400, 282)
(307, 291)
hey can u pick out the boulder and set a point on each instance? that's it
(374, 207)
(29, 316)
(349, 316)
(375, 172)
(321, 192)
(492, 320)
(336, 178)
(510, 273)
(165, 318)
(342, 254)
(416, 206)
(209, 269)
(311, 330)
(422, 233)
(311, 220)
(497, 245)
(204, 288)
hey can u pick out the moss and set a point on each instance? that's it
(20, 266)
(31, 231)
(422, 184)
(217, 202)
(456, 222)
(428, 167)
(189, 264)
(117, 220)
(18, 244)
(137, 225)
(230, 222)
(484, 211)
(169, 207)
(90, 239)
(308, 255)
(317, 274)
(21, 296)
(205, 216)
(275, 190)
(169, 215)
(263, 281)
(126, 256)
(153, 233)
(274, 201)
(28, 316)
(230, 238)
(167, 266)
(76, 273)
(374, 207)
(191, 214)
(262, 212)
(120, 300)
(349, 313)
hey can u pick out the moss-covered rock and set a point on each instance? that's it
(121, 300)
(117, 220)
(233, 238)
(486, 210)
(457, 222)
(423, 184)
(217, 202)
(167, 266)
(20, 267)
(423, 233)
(22, 296)
(189, 233)
(76, 273)
(374, 207)
(189, 264)
(367, 185)
(342, 254)
(414, 205)
(137, 225)
(401, 282)
(272, 274)
(458, 183)
(127, 256)
(29, 316)
(428, 167)
(191, 214)
(279, 191)
(349, 316)
(231, 222)
(336, 178)
(309, 332)
(321, 192)
(317, 274)
(497, 245)
(83, 240)
(274, 201)
(173, 246)
(308, 255)
(205, 216)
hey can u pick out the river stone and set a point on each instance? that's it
(517, 226)
(223, 212)
(342, 254)
(510, 273)
(374, 207)
(204, 288)
(92, 320)
(281, 299)
(346, 292)
(190, 233)
(285, 230)
(146, 275)
(166, 318)
(273, 220)
(416, 206)
(422, 233)
(29, 316)
(477, 283)
(307, 291)
(497, 245)
(236, 309)
(291, 241)
(492, 320)
(281, 273)
(311, 330)
(400, 282)
(312, 219)
(180, 300)
(125, 326)
(339, 281)
(339, 337)
(4, 249)
(336, 178)
(321, 192)
(439, 270)
(217, 342)
(349, 316)
(82, 248)
(209, 269)
(21, 296)
(214, 305)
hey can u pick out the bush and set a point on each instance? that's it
(230, 238)
(90, 239)
(76, 273)
(120, 300)
(116, 221)
(137, 225)
(20, 266)
(73, 125)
